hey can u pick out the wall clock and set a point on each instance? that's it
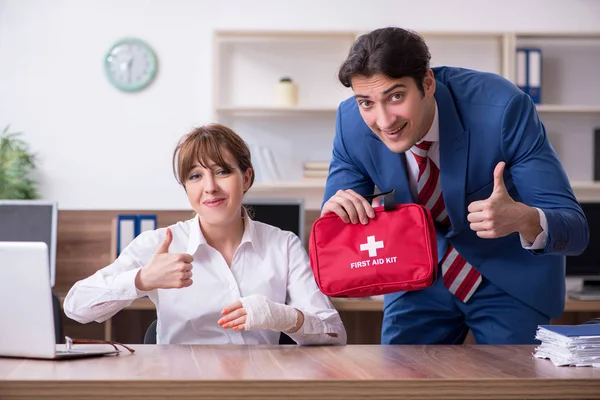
(130, 65)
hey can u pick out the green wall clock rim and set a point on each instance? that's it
(138, 86)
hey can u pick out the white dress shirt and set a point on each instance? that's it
(268, 261)
(433, 135)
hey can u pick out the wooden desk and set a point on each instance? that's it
(297, 372)
(361, 313)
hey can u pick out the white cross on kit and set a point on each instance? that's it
(371, 246)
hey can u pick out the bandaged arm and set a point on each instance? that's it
(322, 323)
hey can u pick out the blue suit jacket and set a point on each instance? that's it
(484, 119)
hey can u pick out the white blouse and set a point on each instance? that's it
(268, 261)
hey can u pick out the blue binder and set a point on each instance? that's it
(130, 226)
(574, 330)
(146, 223)
(126, 231)
(534, 74)
(521, 70)
(529, 72)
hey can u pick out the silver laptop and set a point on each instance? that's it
(26, 313)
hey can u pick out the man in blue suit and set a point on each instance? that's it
(470, 146)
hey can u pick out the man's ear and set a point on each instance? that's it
(429, 84)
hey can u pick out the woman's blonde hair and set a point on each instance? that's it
(205, 144)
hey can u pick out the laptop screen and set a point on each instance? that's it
(30, 221)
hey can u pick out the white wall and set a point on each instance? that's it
(103, 149)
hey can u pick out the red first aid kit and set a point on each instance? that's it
(396, 251)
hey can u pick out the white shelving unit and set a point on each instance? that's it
(570, 106)
(567, 109)
(248, 65)
(480, 51)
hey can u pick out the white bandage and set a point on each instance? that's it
(262, 313)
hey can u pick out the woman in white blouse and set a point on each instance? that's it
(220, 277)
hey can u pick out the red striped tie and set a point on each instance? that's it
(459, 276)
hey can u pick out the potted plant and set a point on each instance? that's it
(16, 166)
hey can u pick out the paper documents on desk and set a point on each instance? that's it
(569, 345)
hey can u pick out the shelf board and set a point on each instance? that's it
(281, 36)
(586, 191)
(358, 304)
(274, 110)
(554, 36)
(289, 185)
(573, 109)
(310, 191)
(585, 185)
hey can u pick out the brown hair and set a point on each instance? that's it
(391, 51)
(206, 143)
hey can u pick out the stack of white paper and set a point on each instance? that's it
(574, 345)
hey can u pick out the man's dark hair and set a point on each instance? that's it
(394, 52)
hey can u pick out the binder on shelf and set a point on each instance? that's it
(146, 223)
(521, 70)
(129, 226)
(126, 227)
(534, 74)
(529, 72)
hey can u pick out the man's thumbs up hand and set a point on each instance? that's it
(498, 215)
(499, 187)
(165, 270)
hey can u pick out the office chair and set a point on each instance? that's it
(58, 326)
(150, 336)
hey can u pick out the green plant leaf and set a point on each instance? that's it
(17, 164)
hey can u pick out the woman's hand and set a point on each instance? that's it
(165, 270)
(258, 312)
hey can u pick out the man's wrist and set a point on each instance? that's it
(529, 223)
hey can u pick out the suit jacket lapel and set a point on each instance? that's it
(454, 152)
(390, 169)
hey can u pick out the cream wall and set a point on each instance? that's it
(103, 149)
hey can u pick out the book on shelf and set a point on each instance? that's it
(316, 170)
(265, 167)
(316, 166)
